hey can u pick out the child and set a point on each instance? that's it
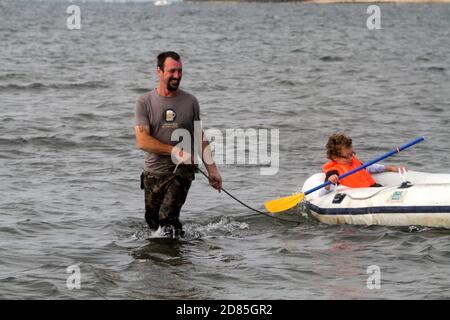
(343, 159)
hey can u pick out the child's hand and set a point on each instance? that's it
(333, 179)
(395, 169)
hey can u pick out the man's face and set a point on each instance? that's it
(171, 75)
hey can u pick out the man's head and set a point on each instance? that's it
(339, 148)
(169, 70)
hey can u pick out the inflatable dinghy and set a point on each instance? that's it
(416, 198)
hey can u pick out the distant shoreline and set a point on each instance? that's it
(377, 1)
(330, 1)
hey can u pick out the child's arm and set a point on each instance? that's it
(378, 168)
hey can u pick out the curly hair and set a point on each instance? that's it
(335, 143)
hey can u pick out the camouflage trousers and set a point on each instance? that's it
(164, 197)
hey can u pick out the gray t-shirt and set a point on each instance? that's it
(164, 115)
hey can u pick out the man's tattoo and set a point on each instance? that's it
(143, 129)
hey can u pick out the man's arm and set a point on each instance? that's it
(215, 180)
(146, 142)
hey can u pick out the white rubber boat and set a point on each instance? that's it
(416, 198)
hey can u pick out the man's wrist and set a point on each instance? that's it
(211, 167)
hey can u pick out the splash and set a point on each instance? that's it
(225, 226)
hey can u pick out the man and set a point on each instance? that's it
(169, 170)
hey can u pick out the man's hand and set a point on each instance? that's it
(215, 180)
(181, 156)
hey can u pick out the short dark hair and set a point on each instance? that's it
(167, 54)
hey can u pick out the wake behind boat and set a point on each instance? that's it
(417, 198)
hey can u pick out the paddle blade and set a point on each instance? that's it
(283, 204)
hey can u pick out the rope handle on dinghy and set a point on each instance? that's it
(402, 173)
(372, 195)
(247, 206)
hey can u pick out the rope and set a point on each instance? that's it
(247, 206)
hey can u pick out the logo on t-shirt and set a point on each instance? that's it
(170, 115)
(169, 119)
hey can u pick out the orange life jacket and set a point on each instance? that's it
(360, 179)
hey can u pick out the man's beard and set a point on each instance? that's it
(173, 87)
